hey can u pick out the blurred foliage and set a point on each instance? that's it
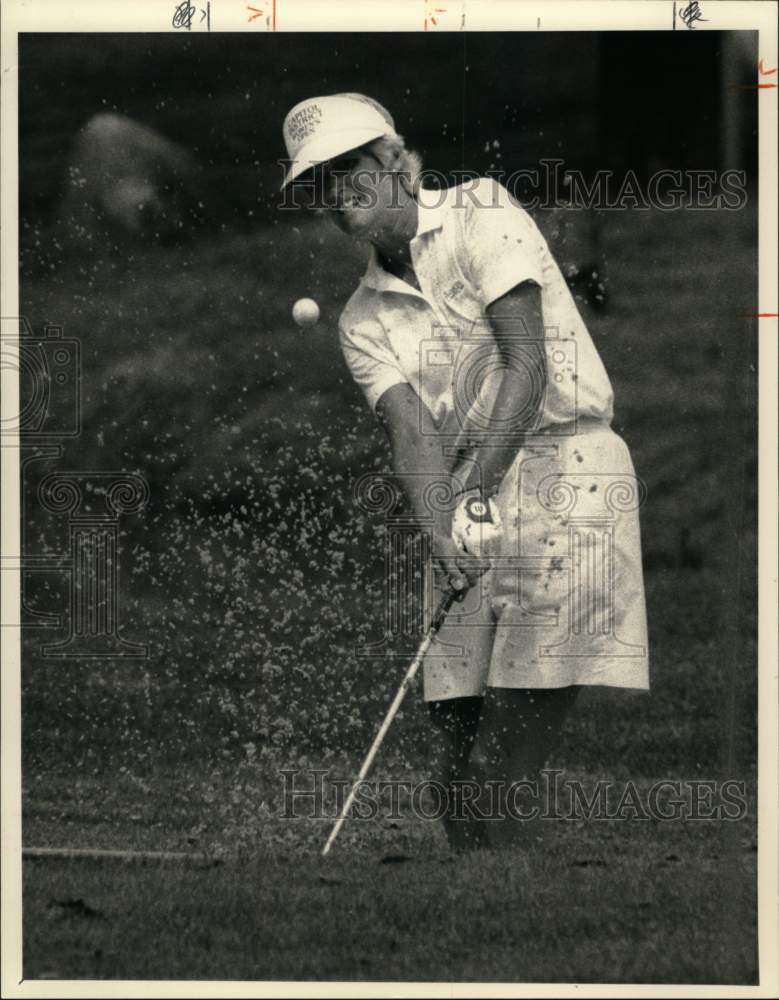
(644, 100)
(253, 576)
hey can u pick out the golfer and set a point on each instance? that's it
(469, 348)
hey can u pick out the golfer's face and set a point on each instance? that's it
(359, 193)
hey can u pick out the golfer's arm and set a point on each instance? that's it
(517, 323)
(417, 459)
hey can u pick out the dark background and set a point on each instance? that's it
(253, 575)
(644, 100)
(251, 433)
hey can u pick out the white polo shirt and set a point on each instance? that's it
(473, 245)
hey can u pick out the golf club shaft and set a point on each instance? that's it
(436, 623)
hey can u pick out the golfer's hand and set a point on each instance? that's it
(454, 569)
(476, 525)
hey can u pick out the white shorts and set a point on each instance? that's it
(563, 602)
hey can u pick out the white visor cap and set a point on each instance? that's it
(320, 128)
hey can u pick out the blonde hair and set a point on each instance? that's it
(389, 147)
(393, 146)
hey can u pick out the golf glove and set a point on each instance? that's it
(476, 524)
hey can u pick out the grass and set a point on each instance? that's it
(253, 575)
(588, 902)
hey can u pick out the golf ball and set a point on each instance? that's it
(305, 312)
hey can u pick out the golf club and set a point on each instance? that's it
(437, 621)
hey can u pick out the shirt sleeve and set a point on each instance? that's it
(373, 365)
(503, 245)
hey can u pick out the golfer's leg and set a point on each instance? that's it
(456, 721)
(517, 732)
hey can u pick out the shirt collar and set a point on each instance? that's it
(430, 203)
(429, 217)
